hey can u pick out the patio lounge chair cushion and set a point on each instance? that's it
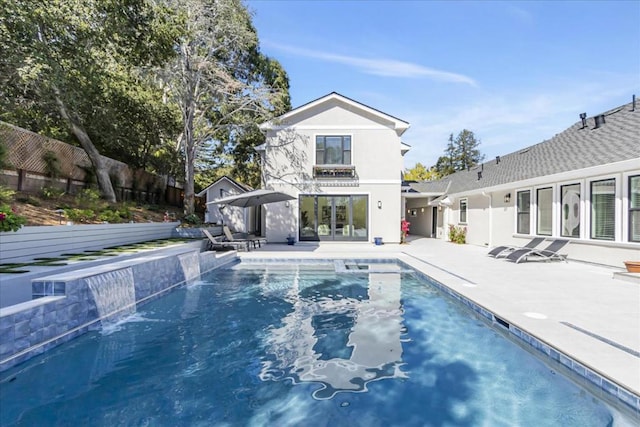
(547, 254)
(503, 251)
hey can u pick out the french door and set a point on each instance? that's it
(336, 217)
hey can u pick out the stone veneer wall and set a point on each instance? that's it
(64, 307)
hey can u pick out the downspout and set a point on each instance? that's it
(490, 217)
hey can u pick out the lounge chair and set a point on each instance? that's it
(255, 242)
(503, 251)
(547, 254)
(222, 245)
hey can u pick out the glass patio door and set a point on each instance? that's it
(333, 217)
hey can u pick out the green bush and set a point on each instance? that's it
(6, 194)
(51, 193)
(457, 234)
(80, 215)
(192, 219)
(10, 220)
(51, 164)
(115, 215)
(88, 198)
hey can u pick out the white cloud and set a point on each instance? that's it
(379, 66)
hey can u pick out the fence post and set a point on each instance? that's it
(21, 176)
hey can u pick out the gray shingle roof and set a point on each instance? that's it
(575, 148)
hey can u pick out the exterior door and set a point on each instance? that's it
(434, 222)
(333, 218)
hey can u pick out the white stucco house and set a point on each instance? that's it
(241, 220)
(342, 161)
(583, 184)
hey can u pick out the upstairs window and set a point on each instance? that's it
(333, 150)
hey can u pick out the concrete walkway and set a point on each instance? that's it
(578, 308)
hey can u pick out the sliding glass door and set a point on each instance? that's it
(333, 217)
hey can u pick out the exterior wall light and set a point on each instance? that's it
(507, 197)
(286, 204)
(379, 204)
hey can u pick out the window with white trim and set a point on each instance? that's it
(634, 208)
(333, 150)
(523, 208)
(603, 209)
(570, 208)
(544, 203)
(463, 211)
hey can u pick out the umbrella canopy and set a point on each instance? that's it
(253, 198)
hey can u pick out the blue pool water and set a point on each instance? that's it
(296, 346)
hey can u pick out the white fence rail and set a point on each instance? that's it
(50, 241)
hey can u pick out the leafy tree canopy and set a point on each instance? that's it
(74, 70)
(420, 173)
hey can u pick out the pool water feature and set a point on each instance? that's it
(294, 345)
(114, 294)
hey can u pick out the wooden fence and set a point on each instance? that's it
(28, 170)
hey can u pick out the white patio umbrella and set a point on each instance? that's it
(252, 198)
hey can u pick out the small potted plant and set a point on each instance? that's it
(290, 240)
(632, 266)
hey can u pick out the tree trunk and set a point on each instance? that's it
(102, 174)
(189, 169)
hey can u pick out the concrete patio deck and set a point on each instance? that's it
(578, 308)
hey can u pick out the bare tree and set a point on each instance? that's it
(211, 79)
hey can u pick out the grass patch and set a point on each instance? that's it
(89, 255)
(11, 271)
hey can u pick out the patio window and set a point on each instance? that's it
(544, 201)
(523, 212)
(603, 209)
(333, 150)
(463, 211)
(634, 208)
(570, 200)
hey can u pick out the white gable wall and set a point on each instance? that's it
(376, 155)
(232, 216)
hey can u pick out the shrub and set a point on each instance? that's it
(192, 219)
(51, 193)
(457, 234)
(51, 164)
(88, 198)
(10, 220)
(115, 215)
(80, 215)
(6, 194)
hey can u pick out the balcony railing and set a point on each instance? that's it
(334, 171)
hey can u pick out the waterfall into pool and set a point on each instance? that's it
(190, 263)
(114, 294)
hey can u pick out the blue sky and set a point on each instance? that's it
(514, 73)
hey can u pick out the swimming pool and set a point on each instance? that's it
(308, 345)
